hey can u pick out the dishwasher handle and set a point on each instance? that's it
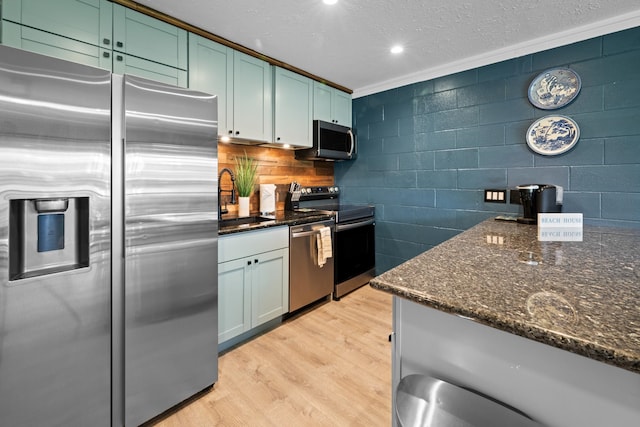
(307, 230)
(304, 234)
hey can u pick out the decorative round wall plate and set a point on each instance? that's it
(554, 88)
(552, 135)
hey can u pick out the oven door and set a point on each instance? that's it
(355, 255)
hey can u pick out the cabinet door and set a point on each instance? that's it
(252, 86)
(322, 100)
(211, 71)
(128, 64)
(331, 105)
(269, 286)
(293, 108)
(86, 21)
(149, 38)
(27, 38)
(341, 107)
(234, 299)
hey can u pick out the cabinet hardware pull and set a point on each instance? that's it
(105, 54)
(248, 262)
(119, 44)
(119, 57)
(237, 132)
(255, 261)
(230, 132)
(106, 41)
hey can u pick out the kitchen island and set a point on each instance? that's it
(549, 327)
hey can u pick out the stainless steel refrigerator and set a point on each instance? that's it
(108, 244)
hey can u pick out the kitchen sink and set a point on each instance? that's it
(243, 222)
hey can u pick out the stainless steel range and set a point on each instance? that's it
(354, 239)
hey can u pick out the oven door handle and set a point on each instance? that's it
(345, 227)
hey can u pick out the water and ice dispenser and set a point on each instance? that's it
(47, 236)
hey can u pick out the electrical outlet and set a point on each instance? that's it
(495, 196)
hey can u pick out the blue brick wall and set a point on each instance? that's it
(427, 150)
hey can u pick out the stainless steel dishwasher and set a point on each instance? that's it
(309, 280)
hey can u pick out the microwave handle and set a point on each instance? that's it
(353, 143)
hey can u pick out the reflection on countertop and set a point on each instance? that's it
(581, 296)
(233, 225)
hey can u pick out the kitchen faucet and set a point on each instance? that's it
(220, 191)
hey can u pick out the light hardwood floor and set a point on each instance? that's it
(328, 367)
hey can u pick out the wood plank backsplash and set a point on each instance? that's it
(275, 166)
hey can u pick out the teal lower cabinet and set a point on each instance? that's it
(253, 283)
(234, 299)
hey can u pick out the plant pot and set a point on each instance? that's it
(243, 206)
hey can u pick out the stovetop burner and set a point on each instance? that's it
(326, 200)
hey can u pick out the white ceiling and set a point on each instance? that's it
(349, 43)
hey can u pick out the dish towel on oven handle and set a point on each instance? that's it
(323, 242)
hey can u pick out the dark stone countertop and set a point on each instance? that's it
(281, 218)
(580, 296)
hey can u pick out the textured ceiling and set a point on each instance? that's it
(349, 43)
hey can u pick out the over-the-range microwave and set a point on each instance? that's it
(330, 142)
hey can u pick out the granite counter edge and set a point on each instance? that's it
(545, 336)
(276, 223)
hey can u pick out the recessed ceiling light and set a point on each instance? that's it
(397, 49)
(330, 1)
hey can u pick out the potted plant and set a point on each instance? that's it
(246, 175)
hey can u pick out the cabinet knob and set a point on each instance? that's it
(237, 132)
(119, 44)
(119, 58)
(230, 132)
(278, 139)
(255, 261)
(106, 41)
(106, 54)
(248, 262)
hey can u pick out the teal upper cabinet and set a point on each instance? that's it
(129, 64)
(74, 30)
(293, 109)
(331, 105)
(252, 101)
(145, 37)
(33, 40)
(241, 82)
(211, 71)
(147, 47)
(87, 21)
(83, 31)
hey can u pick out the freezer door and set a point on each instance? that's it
(55, 304)
(170, 204)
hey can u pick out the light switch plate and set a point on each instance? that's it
(495, 196)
